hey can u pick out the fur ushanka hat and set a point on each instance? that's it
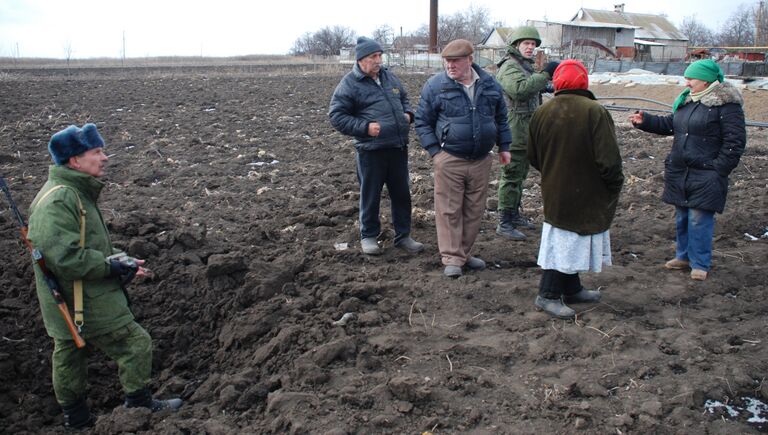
(73, 141)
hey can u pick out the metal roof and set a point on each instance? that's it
(590, 24)
(651, 26)
(644, 42)
(503, 32)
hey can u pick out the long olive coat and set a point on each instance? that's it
(54, 229)
(572, 142)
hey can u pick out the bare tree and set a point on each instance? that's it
(68, 53)
(304, 45)
(761, 24)
(327, 41)
(384, 34)
(331, 40)
(738, 29)
(472, 24)
(698, 34)
(478, 24)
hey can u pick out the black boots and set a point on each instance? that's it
(510, 221)
(520, 221)
(557, 289)
(583, 296)
(554, 307)
(143, 398)
(77, 415)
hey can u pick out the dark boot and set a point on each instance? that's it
(554, 307)
(506, 227)
(143, 398)
(575, 293)
(583, 296)
(77, 415)
(520, 221)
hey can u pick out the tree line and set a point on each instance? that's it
(472, 24)
(746, 26)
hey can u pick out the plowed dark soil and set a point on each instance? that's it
(243, 200)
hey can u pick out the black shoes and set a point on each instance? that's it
(584, 296)
(77, 415)
(554, 307)
(143, 398)
(509, 222)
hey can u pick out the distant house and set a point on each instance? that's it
(656, 39)
(586, 39)
(494, 46)
(560, 39)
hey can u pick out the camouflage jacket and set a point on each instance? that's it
(522, 90)
(54, 229)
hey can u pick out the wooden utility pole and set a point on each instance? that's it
(433, 26)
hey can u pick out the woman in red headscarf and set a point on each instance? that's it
(572, 142)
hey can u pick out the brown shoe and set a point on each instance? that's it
(698, 275)
(676, 264)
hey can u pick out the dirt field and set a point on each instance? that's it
(242, 198)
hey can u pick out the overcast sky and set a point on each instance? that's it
(95, 28)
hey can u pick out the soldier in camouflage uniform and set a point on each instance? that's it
(522, 88)
(72, 191)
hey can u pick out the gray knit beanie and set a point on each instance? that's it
(366, 46)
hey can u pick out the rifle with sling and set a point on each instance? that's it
(50, 278)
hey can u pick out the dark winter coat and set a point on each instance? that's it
(710, 136)
(447, 119)
(358, 100)
(54, 229)
(572, 142)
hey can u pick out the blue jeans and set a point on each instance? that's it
(374, 170)
(695, 229)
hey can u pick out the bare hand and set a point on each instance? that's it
(143, 271)
(505, 157)
(636, 118)
(407, 117)
(374, 129)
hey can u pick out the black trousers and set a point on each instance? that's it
(378, 168)
(554, 284)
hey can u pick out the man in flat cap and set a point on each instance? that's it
(66, 226)
(371, 105)
(461, 116)
(572, 142)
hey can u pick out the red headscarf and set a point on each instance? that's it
(571, 74)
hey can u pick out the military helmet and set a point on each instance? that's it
(522, 33)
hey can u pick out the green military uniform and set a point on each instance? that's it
(522, 89)
(54, 229)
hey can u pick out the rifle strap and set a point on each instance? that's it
(77, 284)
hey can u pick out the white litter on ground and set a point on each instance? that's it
(643, 77)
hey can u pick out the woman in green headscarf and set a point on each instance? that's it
(707, 121)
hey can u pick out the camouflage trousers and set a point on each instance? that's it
(129, 346)
(511, 180)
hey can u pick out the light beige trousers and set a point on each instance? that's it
(461, 188)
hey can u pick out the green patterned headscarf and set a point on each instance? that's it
(707, 70)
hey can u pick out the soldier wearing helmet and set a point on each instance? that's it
(522, 88)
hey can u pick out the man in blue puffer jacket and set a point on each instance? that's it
(372, 105)
(461, 116)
